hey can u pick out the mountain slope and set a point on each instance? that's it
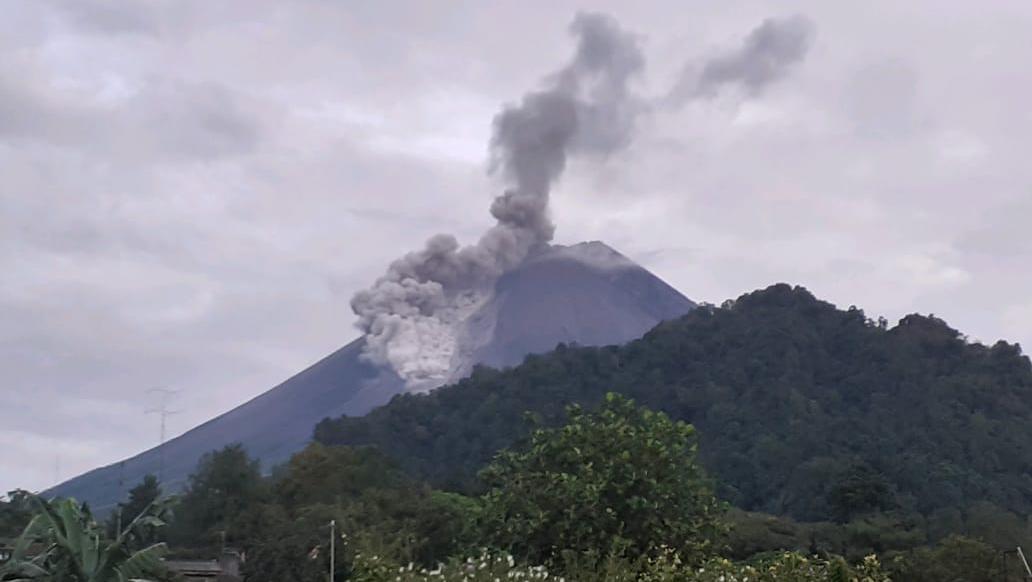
(587, 294)
(273, 426)
(802, 409)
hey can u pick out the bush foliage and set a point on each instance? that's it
(622, 478)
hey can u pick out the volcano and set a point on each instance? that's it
(586, 294)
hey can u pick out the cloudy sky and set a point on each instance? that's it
(192, 191)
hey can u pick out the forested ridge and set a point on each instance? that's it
(802, 409)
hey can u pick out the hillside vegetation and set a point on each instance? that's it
(802, 410)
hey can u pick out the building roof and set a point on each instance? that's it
(199, 566)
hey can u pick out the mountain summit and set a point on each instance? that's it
(586, 294)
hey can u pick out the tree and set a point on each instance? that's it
(859, 489)
(15, 512)
(140, 497)
(377, 509)
(622, 479)
(413, 523)
(73, 549)
(291, 548)
(954, 559)
(321, 474)
(227, 484)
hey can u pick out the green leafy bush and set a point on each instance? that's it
(63, 543)
(622, 478)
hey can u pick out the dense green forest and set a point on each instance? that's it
(803, 410)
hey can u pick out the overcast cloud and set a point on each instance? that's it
(191, 191)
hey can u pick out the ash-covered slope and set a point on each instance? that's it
(586, 294)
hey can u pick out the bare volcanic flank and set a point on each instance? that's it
(586, 294)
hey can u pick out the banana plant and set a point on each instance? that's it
(63, 543)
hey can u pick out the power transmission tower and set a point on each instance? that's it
(163, 412)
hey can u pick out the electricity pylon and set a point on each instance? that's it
(163, 412)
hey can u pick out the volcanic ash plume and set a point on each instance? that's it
(766, 55)
(412, 315)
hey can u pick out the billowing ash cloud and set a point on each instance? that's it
(766, 55)
(411, 315)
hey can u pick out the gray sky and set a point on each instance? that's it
(192, 191)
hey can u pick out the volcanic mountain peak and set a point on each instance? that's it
(587, 294)
(591, 253)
